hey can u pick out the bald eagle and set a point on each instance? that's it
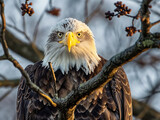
(71, 50)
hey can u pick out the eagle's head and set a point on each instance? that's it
(71, 45)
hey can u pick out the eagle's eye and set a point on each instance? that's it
(60, 34)
(79, 34)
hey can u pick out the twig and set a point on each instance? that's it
(36, 50)
(109, 69)
(86, 10)
(12, 19)
(155, 12)
(3, 57)
(94, 12)
(28, 38)
(4, 43)
(24, 26)
(2, 76)
(17, 4)
(16, 64)
(50, 4)
(20, 31)
(36, 27)
(155, 23)
(54, 77)
(151, 114)
(6, 94)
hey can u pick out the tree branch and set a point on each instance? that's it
(36, 27)
(6, 94)
(109, 69)
(145, 17)
(146, 40)
(3, 57)
(150, 114)
(88, 18)
(155, 23)
(23, 49)
(4, 43)
(15, 62)
(54, 77)
(20, 31)
(9, 83)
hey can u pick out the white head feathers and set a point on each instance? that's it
(82, 56)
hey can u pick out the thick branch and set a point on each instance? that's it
(9, 83)
(108, 71)
(150, 114)
(145, 17)
(16, 63)
(3, 57)
(68, 104)
(23, 49)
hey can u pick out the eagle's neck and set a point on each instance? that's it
(63, 60)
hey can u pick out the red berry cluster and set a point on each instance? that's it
(109, 15)
(121, 9)
(131, 30)
(26, 9)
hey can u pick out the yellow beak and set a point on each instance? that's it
(70, 40)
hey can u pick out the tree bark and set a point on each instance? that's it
(9, 83)
(147, 113)
(23, 49)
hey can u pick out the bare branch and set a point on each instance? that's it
(155, 12)
(4, 43)
(9, 83)
(54, 77)
(6, 94)
(36, 50)
(88, 18)
(150, 114)
(86, 10)
(36, 27)
(145, 17)
(15, 62)
(20, 31)
(24, 24)
(3, 77)
(155, 23)
(3, 57)
(146, 41)
(23, 49)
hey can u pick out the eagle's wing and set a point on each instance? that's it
(112, 102)
(22, 96)
(30, 106)
(121, 92)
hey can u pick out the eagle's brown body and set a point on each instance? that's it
(113, 102)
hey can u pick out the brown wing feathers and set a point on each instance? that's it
(109, 103)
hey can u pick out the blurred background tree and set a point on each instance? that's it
(26, 37)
